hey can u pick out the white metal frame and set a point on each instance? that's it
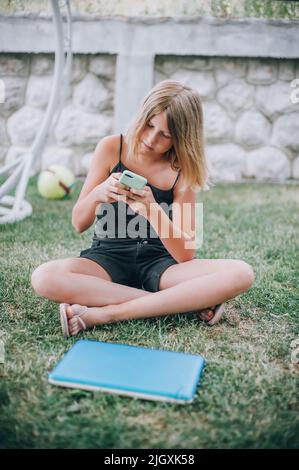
(15, 208)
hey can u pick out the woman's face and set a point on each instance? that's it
(156, 138)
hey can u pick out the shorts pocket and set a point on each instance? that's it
(83, 252)
(95, 243)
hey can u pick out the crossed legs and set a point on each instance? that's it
(194, 285)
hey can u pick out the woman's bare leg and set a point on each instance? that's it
(193, 294)
(80, 281)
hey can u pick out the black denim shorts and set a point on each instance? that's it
(135, 263)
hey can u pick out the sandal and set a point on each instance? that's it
(78, 311)
(218, 312)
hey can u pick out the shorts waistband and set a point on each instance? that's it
(131, 241)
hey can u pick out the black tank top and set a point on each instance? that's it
(117, 219)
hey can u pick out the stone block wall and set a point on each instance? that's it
(86, 117)
(251, 124)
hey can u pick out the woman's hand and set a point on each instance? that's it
(140, 200)
(111, 190)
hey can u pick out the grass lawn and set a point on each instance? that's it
(248, 394)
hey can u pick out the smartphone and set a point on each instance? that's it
(131, 179)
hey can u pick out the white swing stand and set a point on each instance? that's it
(15, 208)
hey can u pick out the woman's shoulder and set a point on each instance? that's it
(110, 143)
(107, 151)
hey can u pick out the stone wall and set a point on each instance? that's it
(251, 125)
(86, 117)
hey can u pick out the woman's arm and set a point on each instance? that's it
(178, 235)
(84, 211)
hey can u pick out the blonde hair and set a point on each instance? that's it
(184, 113)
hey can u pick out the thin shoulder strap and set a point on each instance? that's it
(179, 172)
(120, 147)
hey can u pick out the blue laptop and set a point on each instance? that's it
(136, 371)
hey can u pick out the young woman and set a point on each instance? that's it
(125, 275)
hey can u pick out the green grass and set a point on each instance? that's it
(170, 8)
(248, 394)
